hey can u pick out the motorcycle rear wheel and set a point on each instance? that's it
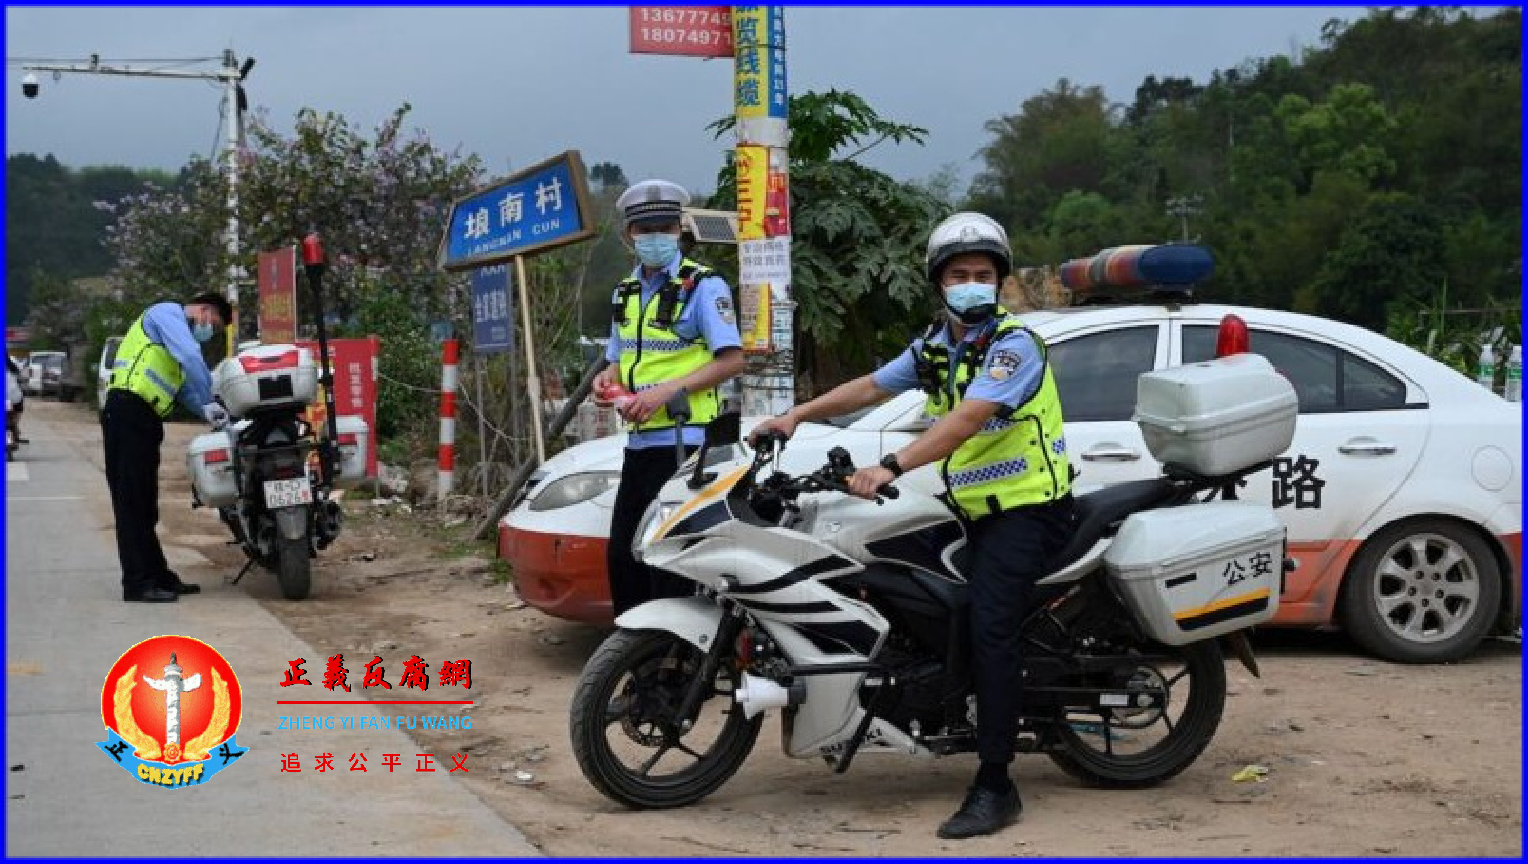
(1094, 749)
(624, 712)
(293, 568)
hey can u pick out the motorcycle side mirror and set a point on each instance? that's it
(725, 430)
(679, 406)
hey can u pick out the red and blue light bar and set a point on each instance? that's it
(1173, 265)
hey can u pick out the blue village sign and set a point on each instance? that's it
(542, 207)
(493, 310)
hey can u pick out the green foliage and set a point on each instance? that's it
(55, 220)
(1367, 172)
(856, 237)
(410, 361)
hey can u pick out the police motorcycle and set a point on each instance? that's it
(270, 473)
(849, 618)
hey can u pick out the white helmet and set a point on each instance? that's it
(968, 232)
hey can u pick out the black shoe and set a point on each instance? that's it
(151, 595)
(184, 588)
(985, 811)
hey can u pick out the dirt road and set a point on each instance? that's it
(1365, 758)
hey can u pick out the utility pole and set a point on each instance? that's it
(762, 160)
(1183, 208)
(232, 76)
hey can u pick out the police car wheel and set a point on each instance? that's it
(1425, 591)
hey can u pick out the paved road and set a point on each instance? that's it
(65, 627)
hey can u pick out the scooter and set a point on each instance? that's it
(849, 619)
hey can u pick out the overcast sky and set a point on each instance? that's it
(518, 85)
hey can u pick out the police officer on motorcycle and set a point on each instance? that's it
(999, 440)
(159, 361)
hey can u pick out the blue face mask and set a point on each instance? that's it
(972, 302)
(656, 250)
(201, 331)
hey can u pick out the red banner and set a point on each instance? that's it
(690, 31)
(277, 281)
(354, 364)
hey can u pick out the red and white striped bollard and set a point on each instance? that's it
(446, 462)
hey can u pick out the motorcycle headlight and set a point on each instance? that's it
(575, 489)
(657, 513)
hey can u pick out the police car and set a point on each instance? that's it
(1402, 489)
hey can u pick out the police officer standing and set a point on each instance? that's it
(160, 360)
(674, 332)
(999, 439)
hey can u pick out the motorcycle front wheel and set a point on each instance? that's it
(627, 735)
(1135, 747)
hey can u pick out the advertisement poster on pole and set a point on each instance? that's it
(354, 365)
(276, 280)
(759, 76)
(687, 31)
(493, 310)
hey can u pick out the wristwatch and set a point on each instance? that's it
(889, 462)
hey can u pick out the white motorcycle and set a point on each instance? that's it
(850, 617)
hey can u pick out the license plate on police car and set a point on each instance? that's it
(288, 493)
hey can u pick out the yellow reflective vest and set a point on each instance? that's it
(1018, 457)
(146, 368)
(651, 352)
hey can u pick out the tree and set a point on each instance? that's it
(857, 237)
(378, 204)
(1390, 255)
(1059, 141)
(167, 242)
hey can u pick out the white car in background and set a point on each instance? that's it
(1402, 490)
(104, 368)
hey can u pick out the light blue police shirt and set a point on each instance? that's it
(1015, 355)
(165, 323)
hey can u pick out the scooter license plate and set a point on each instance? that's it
(288, 493)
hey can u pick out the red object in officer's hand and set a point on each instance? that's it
(312, 250)
(616, 395)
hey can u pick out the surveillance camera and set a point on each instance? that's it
(29, 86)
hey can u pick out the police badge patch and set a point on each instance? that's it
(1002, 364)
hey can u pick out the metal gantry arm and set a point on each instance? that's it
(230, 75)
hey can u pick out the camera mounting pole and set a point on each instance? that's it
(232, 76)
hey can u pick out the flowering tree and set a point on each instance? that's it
(167, 241)
(380, 205)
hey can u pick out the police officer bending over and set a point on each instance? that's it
(674, 331)
(999, 440)
(160, 360)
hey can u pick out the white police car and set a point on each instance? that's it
(1402, 489)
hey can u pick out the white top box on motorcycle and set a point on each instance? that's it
(265, 378)
(1201, 570)
(1218, 416)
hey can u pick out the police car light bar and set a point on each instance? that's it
(1172, 267)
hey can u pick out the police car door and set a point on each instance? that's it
(1096, 355)
(1361, 430)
